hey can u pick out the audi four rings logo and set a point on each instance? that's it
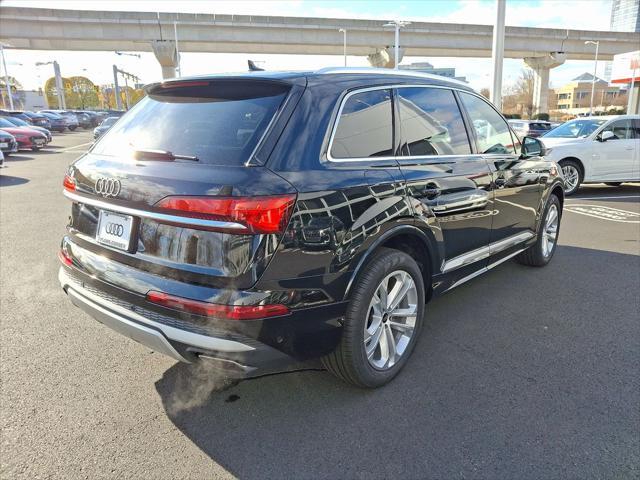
(114, 229)
(108, 187)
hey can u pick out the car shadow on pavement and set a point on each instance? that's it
(9, 181)
(601, 190)
(522, 373)
(19, 157)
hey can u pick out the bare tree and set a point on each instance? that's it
(485, 92)
(522, 91)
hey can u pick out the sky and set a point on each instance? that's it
(593, 15)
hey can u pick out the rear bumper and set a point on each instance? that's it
(236, 355)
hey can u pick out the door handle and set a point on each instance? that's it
(628, 148)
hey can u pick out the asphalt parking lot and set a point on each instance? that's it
(523, 373)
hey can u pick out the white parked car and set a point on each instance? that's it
(596, 150)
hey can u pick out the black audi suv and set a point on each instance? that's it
(260, 220)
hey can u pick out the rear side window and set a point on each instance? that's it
(431, 123)
(491, 129)
(219, 122)
(365, 126)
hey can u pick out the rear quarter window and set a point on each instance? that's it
(219, 122)
(365, 126)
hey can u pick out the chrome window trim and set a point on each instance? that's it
(336, 120)
(486, 251)
(160, 217)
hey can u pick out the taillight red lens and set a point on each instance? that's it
(69, 183)
(267, 214)
(65, 258)
(226, 312)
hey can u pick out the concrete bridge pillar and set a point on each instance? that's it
(167, 54)
(385, 57)
(541, 67)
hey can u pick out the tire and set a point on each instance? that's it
(572, 173)
(72, 128)
(35, 149)
(613, 184)
(364, 317)
(539, 254)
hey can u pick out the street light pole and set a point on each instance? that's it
(497, 54)
(344, 44)
(398, 24)
(595, 69)
(6, 77)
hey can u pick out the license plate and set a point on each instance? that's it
(114, 229)
(38, 141)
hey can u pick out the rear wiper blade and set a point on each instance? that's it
(161, 155)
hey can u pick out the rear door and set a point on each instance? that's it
(516, 181)
(443, 176)
(616, 159)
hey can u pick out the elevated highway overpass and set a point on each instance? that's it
(52, 29)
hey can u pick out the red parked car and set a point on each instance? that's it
(26, 137)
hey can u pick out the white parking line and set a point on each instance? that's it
(602, 198)
(604, 213)
(74, 147)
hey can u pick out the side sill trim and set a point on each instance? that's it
(484, 269)
(486, 251)
(160, 217)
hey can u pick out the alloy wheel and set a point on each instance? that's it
(391, 320)
(550, 231)
(571, 177)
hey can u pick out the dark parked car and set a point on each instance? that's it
(269, 218)
(38, 120)
(8, 144)
(58, 124)
(106, 124)
(530, 128)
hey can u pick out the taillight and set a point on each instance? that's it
(216, 310)
(69, 183)
(267, 214)
(64, 257)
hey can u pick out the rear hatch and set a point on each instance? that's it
(177, 187)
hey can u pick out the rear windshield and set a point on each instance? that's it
(219, 122)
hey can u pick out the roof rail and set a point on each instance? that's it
(387, 71)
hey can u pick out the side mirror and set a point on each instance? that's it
(606, 135)
(532, 147)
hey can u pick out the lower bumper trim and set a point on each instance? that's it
(146, 336)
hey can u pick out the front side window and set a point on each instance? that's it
(621, 130)
(431, 122)
(491, 129)
(365, 126)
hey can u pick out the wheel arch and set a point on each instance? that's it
(408, 239)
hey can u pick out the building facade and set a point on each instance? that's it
(426, 67)
(574, 98)
(625, 17)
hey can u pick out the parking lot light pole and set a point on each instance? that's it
(595, 69)
(62, 104)
(497, 54)
(397, 24)
(6, 76)
(344, 44)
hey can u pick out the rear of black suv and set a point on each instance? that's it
(175, 218)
